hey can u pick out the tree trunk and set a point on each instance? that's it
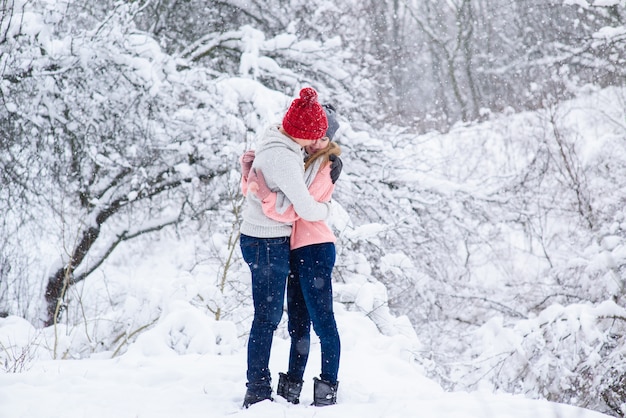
(63, 278)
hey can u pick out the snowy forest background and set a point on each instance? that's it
(482, 198)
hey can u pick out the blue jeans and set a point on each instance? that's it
(310, 300)
(268, 259)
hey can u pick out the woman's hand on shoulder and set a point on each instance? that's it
(336, 165)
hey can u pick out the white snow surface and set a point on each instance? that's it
(378, 378)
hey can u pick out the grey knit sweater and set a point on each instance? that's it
(280, 159)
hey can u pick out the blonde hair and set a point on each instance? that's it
(332, 149)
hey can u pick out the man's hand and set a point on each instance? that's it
(257, 184)
(336, 165)
(246, 161)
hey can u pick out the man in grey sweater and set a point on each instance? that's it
(265, 242)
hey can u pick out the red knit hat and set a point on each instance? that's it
(306, 118)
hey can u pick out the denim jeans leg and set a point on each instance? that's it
(315, 265)
(268, 259)
(299, 324)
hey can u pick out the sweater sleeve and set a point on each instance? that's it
(321, 189)
(244, 185)
(281, 172)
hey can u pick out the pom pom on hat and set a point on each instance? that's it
(305, 118)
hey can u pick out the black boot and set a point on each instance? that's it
(324, 393)
(289, 389)
(256, 394)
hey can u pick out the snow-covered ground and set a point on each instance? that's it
(378, 378)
